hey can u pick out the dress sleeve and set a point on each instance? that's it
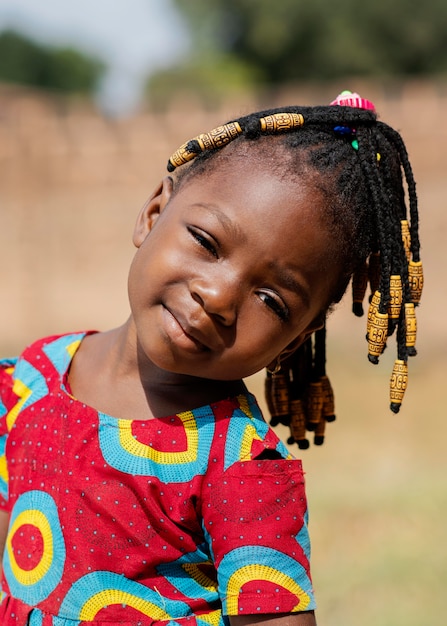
(7, 401)
(255, 520)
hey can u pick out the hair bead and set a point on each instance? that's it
(319, 432)
(280, 398)
(219, 137)
(216, 138)
(398, 384)
(298, 424)
(396, 295)
(377, 329)
(281, 122)
(314, 404)
(416, 280)
(406, 238)
(410, 328)
(328, 399)
(180, 157)
(372, 309)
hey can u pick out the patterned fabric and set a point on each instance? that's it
(178, 520)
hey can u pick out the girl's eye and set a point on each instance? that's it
(204, 241)
(275, 305)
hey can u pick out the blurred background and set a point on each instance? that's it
(95, 96)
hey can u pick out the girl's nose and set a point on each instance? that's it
(217, 297)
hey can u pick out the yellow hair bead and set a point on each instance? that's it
(216, 138)
(180, 157)
(219, 136)
(395, 297)
(406, 238)
(398, 384)
(410, 328)
(377, 329)
(416, 280)
(281, 122)
(373, 307)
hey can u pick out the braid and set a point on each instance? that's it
(363, 163)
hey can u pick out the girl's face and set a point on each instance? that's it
(231, 270)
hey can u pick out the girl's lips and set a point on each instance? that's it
(179, 336)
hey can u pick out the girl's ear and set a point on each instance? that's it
(151, 210)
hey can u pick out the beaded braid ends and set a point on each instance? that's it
(300, 395)
(366, 155)
(395, 290)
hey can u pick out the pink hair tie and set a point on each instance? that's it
(349, 99)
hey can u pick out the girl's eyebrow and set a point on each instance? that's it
(227, 224)
(286, 278)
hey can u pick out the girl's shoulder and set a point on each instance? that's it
(245, 433)
(54, 351)
(40, 362)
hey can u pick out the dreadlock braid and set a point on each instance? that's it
(364, 165)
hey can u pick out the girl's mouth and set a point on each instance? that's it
(178, 336)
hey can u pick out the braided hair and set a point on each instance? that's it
(363, 164)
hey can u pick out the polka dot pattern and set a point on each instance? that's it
(162, 521)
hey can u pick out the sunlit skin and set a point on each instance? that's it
(230, 272)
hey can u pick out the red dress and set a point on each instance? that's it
(177, 520)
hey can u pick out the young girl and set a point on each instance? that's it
(140, 484)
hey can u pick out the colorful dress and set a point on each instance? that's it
(181, 520)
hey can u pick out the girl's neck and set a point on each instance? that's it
(129, 386)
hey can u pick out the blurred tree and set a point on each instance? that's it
(288, 40)
(24, 62)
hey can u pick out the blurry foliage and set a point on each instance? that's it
(210, 78)
(24, 62)
(290, 40)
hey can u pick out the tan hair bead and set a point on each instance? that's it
(373, 307)
(297, 420)
(319, 432)
(416, 280)
(181, 156)
(395, 297)
(406, 238)
(280, 395)
(281, 122)
(219, 136)
(314, 404)
(328, 399)
(377, 329)
(410, 325)
(398, 384)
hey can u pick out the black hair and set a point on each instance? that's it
(362, 165)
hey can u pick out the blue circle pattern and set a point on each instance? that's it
(103, 581)
(124, 461)
(34, 593)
